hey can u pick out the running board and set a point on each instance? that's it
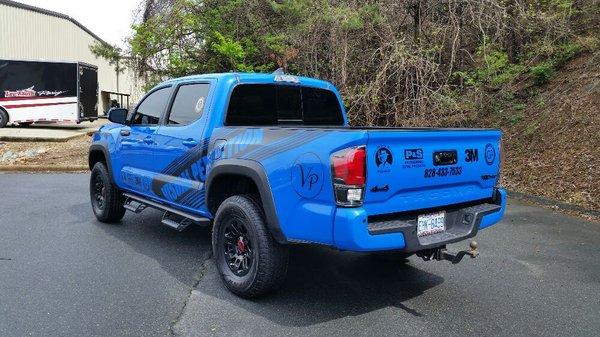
(176, 222)
(142, 203)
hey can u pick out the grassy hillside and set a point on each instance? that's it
(552, 140)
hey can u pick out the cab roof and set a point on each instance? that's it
(262, 78)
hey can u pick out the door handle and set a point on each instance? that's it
(125, 133)
(148, 140)
(190, 143)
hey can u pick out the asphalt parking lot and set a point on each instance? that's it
(62, 273)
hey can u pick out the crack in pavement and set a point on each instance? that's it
(197, 278)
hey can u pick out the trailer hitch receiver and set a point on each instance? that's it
(441, 253)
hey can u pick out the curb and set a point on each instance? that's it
(553, 203)
(9, 139)
(43, 168)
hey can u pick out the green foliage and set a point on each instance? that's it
(542, 73)
(391, 60)
(494, 70)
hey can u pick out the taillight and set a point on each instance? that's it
(348, 169)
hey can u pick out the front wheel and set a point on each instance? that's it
(251, 263)
(107, 200)
(3, 118)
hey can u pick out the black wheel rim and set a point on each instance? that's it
(237, 248)
(99, 195)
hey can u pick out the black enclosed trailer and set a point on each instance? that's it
(46, 91)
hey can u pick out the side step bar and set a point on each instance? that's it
(172, 217)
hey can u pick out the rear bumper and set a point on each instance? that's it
(354, 230)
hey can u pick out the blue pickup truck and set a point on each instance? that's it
(269, 160)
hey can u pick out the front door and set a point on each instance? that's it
(181, 149)
(137, 142)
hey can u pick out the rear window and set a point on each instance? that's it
(269, 104)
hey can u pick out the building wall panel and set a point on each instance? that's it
(26, 34)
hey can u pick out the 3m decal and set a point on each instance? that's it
(471, 155)
(383, 159)
(490, 154)
(307, 175)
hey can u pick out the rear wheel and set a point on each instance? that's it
(251, 263)
(3, 118)
(107, 200)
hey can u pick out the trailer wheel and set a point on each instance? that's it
(251, 263)
(3, 118)
(107, 200)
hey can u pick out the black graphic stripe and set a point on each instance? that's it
(274, 146)
(288, 146)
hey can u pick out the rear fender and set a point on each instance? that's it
(256, 173)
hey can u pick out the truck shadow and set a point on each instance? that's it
(324, 284)
(181, 254)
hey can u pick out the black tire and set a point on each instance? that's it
(107, 201)
(3, 118)
(240, 218)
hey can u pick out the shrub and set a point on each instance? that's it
(542, 73)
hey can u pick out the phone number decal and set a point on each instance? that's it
(443, 172)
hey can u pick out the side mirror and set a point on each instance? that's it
(118, 115)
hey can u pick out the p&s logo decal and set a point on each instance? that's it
(413, 158)
(490, 154)
(413, 154)
(383, 159)
(307, 175)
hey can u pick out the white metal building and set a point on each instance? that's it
(32, 33)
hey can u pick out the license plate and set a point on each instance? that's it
(428, 224)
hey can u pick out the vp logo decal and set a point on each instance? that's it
(383, 159)
(307, 175)
(490, 154)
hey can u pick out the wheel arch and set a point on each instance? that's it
(99, 153)
(239, 172)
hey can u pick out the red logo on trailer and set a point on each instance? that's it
(29, 92)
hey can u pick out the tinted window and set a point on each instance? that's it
(289, 104)
(321, 107)
(269, 104)
(252, 105)
(152, 107)
(188, 104)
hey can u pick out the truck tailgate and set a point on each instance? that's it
(413, 169)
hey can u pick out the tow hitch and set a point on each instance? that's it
(440, 254)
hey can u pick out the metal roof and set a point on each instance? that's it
(51, 13)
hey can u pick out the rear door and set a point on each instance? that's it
(88, 91)
(412, 169)
(181, 148)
